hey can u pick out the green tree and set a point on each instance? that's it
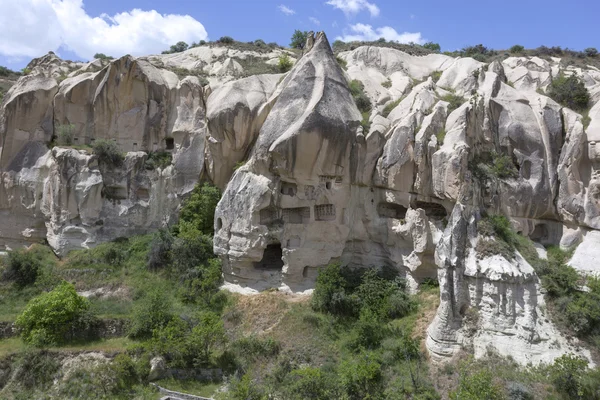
(108, 152)
(570, 92)
(153, 311)
(177, 48)
(199, 209)
(361, 377)
(206, 335)
(308, 383)
(435, 47)
(48, 318)
(591, 52)
(298, 40)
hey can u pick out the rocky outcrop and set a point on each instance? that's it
(307, 181)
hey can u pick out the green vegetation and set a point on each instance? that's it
(298, 40)
(493, 166)
(390, 106)
(570, 92)
(411, 48)
(387, 84)
(55, 317)
(226, 40)
(103, 57)
(454, 101)
(108, 152)
(5, 72)
(435, 47)
(436, 75)
(177, 48)
(362, 102)
(440, 136)
(285, 63)
(184, 72)
(64, 134)
(476, 385)
(158, 159)
(517, 49)
(343, 63)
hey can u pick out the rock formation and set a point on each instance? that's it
(304, 184)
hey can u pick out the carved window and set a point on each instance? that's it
(325, 212)
(298, 215)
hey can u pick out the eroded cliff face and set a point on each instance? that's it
(304, 185)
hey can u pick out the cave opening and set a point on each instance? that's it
(272, 258)
(170, 143)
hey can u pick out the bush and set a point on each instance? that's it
(22, 267)
(153, 311)
(309, 383)
(65, 135)
(476, 385)
(108, 152)
(566, 374)
(436, 75)
(517, 49)
(591, 52)
(285, 63)
(52, 318)
(390, 107)
(361, 377)
(343, 63)
(159, 255)
(226, 40)
(387, 84)
(101, 56)
(570, 92)
(205, 336)
(360, 98)
(454, 101)
(199, 209)
(435, 47)
(159, 159)
(36, 369)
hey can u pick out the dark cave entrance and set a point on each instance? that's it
(170, 143)
(272, 258)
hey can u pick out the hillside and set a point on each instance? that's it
(386, 222)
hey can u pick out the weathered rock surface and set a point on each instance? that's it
(304, 185)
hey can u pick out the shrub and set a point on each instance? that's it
(343, 63)
(387, 84)
(360, 98)
(159, 255)
(285, 63)
(50, 317)
(159, 159)
(591, 52)
(330, 294)
(309, 383)
(566, 374)
(454, 101)
(190, 251)
(435, 47)
(244, 389)
(476, 385)
(5, 71)
(108, 152)
(22, 267)
(65, 134)
(298, 40)
(260, 43)
(440, 136)
(361, 377)
(390, 107)
(570, 92)
(199, 208)
(226, 40)
(36, 369)
(436, 75)
(517, 49)
(153, 311)
(206, 335)
(101, 56)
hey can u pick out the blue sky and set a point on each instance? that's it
(77, 29)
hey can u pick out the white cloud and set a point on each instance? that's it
(363, 32)
(314, 21)
(350, 7)
(31, 28)
(286, 10)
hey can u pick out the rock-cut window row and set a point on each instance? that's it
(325, 212)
